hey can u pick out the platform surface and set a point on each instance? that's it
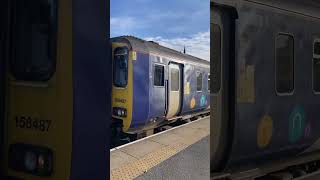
(148, 155)
(191, 163)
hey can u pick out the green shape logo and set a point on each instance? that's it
(296, 124)
(203, 100)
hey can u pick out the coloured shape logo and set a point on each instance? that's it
(192, 103)
(187, 88)
(264, 131)
(203, 100)
(296, 124)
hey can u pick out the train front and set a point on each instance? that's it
(122, 89)
(57, 90)
(38, 137)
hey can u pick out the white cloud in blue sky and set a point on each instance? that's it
(172, 23)
(197, 45)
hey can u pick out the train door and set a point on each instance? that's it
(222, 71)
(174, 90)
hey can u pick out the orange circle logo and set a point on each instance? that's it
(264, 131)
(193, 103)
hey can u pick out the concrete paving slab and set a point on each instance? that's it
(202, 125)
(118, 158)
(142, 148)
(168, 139)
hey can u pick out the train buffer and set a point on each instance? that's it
(180, 153)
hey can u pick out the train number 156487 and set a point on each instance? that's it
(32, 123)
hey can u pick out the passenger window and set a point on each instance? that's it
(216, 58)
(284, 64)
(34, 39)
(158, 75)
(175, 80)
(316, 66)
(199, 81)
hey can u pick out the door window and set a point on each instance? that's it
(175, 79)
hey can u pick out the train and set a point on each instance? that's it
(55, 89)
(265, 82)
(154, 85)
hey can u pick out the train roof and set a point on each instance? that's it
(153, 47)
(309, 8)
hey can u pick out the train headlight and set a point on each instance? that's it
(121, 112)
(31, 159)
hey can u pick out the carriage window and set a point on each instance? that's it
(216, 58)
(208, 82)
(120, 67)
(199, 81)
(158, 75)
(175, 79)
(284, 64)
(34, 39)
(316, 66)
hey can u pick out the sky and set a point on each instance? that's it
(171, 23)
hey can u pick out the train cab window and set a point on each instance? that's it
(216, 58)
(175, 79)
(284, 64)
(199, 81)
(120, 67)
(316, 66)
(158, 75)
(34, 39)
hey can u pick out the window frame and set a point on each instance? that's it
(201, 81)
(41, 82)
(314, 56)
(113, 71)
(275, 64)
(154, 68)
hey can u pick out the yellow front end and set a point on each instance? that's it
(122, 93)
(39, 113)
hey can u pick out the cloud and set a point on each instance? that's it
(123, 25)
(197, 45)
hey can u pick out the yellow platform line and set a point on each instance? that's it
(139, 166)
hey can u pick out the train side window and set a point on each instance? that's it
(316, 66)
(284, 64)
(34, 39)
(216, 58)
(175, 78)
(199, 81)
(158, 79)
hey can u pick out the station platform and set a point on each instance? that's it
(178, 153)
